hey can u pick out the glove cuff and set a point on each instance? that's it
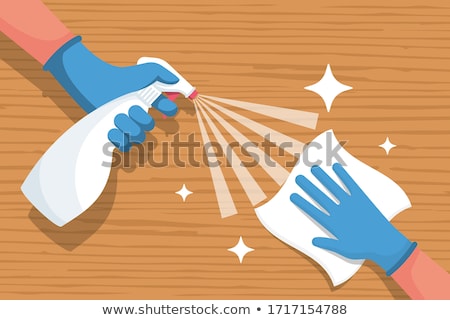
(402, 260)
(57, 57)
(60, 64)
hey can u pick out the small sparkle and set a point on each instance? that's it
(387, 145)
(241, 249)
(328, 88)
(184, 192)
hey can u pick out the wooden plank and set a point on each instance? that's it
(139, 241)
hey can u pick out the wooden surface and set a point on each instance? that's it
(140, 241)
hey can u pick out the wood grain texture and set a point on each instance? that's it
(139, 241)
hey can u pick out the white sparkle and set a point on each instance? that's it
(387, 145)
(241, 249)
(184, 192)
(328, 88)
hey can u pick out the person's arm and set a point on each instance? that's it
(422, 278)
(90, 81)
(32, 26)
(362, 232)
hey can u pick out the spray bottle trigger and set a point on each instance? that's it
(172, 95)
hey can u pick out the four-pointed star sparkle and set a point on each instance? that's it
(387, 145)
(241, 249)
(328, 88)
(184, 192)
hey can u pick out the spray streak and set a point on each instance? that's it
(297, 117)
(283, 141)
(206, 107)
(224, 199)
(250, 186)
(276, 172)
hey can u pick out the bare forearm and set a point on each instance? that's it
(422, 278)
(32, 26)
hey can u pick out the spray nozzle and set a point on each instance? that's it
(149, 94)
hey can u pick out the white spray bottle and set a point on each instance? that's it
(73, 172)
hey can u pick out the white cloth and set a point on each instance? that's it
(291, 225)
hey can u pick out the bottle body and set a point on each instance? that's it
(73, 172)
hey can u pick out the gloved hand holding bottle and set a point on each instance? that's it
(73, 172)
(361, 231)
(90, 81)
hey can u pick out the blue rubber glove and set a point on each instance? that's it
(360, 229)
(92, 82)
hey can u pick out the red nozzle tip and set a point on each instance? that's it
(193, 95)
